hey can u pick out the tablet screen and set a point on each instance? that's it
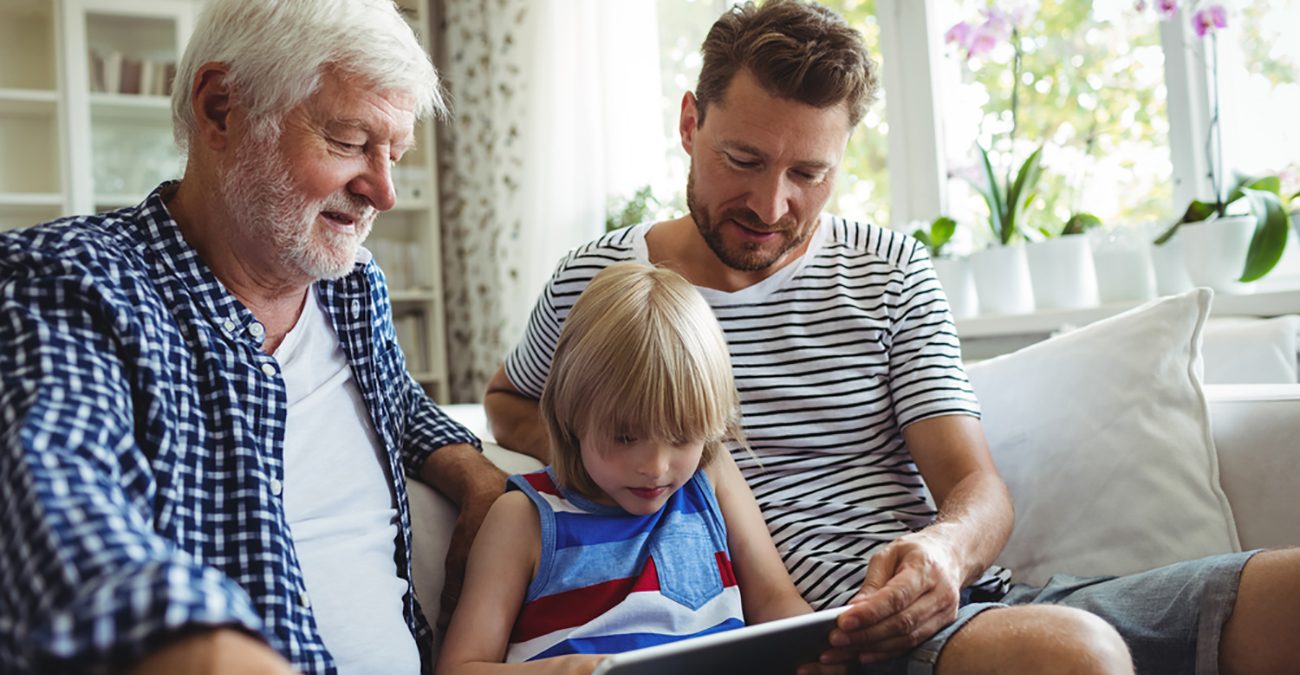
(779, 646)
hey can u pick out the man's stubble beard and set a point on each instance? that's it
(265, 208)
(749, 257)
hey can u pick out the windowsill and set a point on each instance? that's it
(1271, 300)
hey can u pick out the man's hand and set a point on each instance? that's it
(912, 590)
(467, 478)
(219, 651)
(473, 509)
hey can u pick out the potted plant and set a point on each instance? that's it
(1001, 270)
(1231, 242)
(954, 272)
(1061, 265)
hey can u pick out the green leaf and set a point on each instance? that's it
(1021, 193)
(992, 195)
(1081, 222)
(924, 237)
(1197, 211)
(1168, 234)
(1270, 183)
(942, 230)
(1266, 246)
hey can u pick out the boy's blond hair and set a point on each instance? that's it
(640, 352)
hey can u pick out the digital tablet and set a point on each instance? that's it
(777, 647)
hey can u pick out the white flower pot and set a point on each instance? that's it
(1215, 252)
(1002, 280)
(959, 285)
(1124, 268)
(1171, 266)
(1062, 272)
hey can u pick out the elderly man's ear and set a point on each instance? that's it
(213, 105)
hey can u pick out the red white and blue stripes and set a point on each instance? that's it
(610, 582)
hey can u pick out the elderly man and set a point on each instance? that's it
(871, 467)
(205, 420)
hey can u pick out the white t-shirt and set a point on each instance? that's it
(340, 504)
(833, 356)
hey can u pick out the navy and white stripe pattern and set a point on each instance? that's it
(833, 356)
(141, 440)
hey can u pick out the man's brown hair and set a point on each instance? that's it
(796, 50)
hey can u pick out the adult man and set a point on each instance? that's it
(205, 419)
(855, 400)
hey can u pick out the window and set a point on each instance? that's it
(1119, 141)
(1260, 75)
(1091, 94)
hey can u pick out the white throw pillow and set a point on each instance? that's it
(1103, 438)
(1251, 351)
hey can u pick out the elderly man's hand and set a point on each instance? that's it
(912, 590)
(473, 510)
(222, 650)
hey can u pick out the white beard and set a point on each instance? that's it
(265, 207)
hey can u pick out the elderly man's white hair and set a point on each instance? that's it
(276, 51)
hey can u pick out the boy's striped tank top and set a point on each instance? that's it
(608, 581)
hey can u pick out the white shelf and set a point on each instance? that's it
(407, 204)
(30, 199)
(1264, 303)
(28, 102)
(412, 295)
(130, 107)
(116, 201)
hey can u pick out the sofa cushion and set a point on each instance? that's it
(1255, 433)
(433, 517)
(1251, 351)
(1103, 437)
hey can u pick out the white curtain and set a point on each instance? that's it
(557, 106)
(594, 126)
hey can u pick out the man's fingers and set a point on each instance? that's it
(901, 631)
(880, 569)
(893, 597)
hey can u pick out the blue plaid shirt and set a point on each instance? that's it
(141, 446)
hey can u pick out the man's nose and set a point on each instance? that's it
(770, 197)
(376, 184)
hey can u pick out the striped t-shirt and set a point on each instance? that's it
(833, 355)
(609, 582)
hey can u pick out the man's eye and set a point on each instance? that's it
(350, 147)
(742, 163)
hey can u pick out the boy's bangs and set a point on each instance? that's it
(659, 387)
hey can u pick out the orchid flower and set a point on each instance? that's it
(977, 39)
(1209, 18)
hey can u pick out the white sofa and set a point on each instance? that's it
(1255, 430)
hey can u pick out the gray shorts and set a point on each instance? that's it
(1170, 617)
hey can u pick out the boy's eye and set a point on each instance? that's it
(624, 439)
